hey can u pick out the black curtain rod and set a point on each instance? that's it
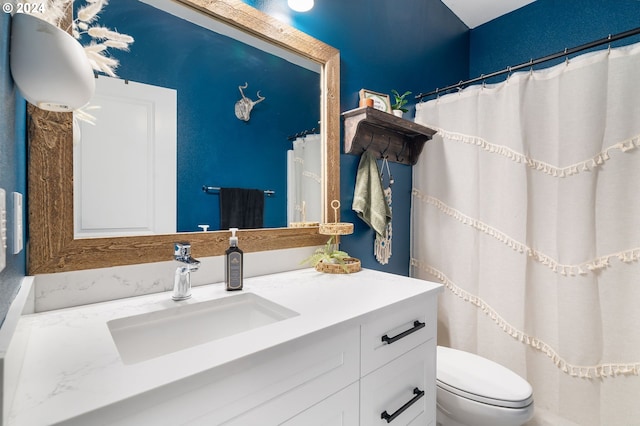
(532, 62)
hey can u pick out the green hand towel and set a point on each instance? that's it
(368, 197)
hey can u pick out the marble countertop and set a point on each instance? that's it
(72, 366)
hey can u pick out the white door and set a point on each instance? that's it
(133, 143)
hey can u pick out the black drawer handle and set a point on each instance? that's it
(417, 325)
(390, 417)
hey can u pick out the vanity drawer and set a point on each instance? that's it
(397, 330)
(402, 392)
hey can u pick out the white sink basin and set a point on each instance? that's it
(150, 335)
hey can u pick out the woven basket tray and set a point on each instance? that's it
(350, 266)
(340, 228)
(336, 228)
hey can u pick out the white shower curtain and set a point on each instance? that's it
(304, 170)
(526, 206)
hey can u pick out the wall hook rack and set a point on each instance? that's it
(388, 136)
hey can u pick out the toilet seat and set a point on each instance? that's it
(479, 379)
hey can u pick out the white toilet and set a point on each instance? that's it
(474, 391)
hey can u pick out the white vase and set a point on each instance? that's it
(48, 65)
(398, 113)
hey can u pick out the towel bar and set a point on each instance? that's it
(216, 190)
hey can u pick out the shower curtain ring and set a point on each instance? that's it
(566, 59)
(609, 45)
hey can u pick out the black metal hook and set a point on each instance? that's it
(370, 142)
(383, 154)
(398, 155)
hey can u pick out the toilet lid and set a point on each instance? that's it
(479, 379)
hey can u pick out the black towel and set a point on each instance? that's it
(241, 208)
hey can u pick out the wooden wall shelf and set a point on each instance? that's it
(400, 140)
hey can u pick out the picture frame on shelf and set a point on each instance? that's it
(381, 101)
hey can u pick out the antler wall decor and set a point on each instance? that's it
(245, 105)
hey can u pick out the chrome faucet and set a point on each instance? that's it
(182, 279)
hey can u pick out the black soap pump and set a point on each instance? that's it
(233, 264)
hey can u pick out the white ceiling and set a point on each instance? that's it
(476, 12)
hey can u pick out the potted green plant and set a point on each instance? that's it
(399, 102)
(329, 259)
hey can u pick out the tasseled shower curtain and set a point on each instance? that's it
(526, 206)
(303, 179)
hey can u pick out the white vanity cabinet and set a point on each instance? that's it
(360, 352)
(398, 365)
(264, 389)
(396, 377)
(344, 375)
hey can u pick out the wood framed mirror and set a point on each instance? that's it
(52, 246)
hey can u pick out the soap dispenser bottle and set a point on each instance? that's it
(233, 264)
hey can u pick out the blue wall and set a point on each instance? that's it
(546, 27)
(214, 147)
(411, 45)
(12, 165)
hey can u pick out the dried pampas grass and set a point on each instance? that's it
(102, 33)
(102, 38)
(99, 61)
(90, 12)
(82, 114)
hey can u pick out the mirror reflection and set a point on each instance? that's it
(53, 247)
(139, 173)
